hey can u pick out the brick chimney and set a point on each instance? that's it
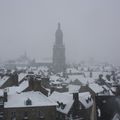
(5, 95)
(31, 83)
(52, 89)
(37, 84)
(75, 96)
(15, 79)
(76, 104)
(34, 84)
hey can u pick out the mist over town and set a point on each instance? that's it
(59, 60)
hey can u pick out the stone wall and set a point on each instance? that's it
(34, 113)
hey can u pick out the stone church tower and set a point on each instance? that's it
(59, 52)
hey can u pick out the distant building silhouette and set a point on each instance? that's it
(59, 52)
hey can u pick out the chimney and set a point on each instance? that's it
(31, 83)
(15, 79)
(52, 89)
(37, 84)
(76, 104)
(5, 95)
(76, 96)
(91, 75)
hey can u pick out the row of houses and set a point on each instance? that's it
(26, 95)
(29, 99)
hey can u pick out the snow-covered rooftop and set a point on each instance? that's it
(81, 79)
(21, 76)
(18, 89)
(54, 78)
(67, 99)
(73, 88)
(3, 80)
(96, 88)
(72, 70)
(116, 117)
(37, 99)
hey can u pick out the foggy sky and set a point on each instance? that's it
(91, 29)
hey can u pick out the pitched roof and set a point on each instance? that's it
(67, 99)
(37, 99)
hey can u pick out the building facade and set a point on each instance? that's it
(32, 105)
(58, 52)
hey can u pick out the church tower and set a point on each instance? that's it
(59, 52)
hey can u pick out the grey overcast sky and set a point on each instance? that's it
(91, 29)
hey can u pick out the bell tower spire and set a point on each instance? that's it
(59, 35)
(59, 51)
(59, 27)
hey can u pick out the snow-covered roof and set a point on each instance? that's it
(63, 98)
(54, 77)
(67, 99)
(21, 67)
(21, 76)
(83, 97)
(56, 83)
(43, 68)
(72, 70)
(81, 78)
(113, 89)
(73, 88)
(18, 89)
(96, 88)
(3, 80)
(116, 117)
(56, 80)
(105, 87)
(37, 99)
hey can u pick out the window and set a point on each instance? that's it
(25, 115)
(1, 115)
(13, 115)
(41, 115)
(1, 101)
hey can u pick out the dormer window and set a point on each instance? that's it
(28, 102)
(61, 105)
(58, 104)
(89, 98)
(87, 101)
